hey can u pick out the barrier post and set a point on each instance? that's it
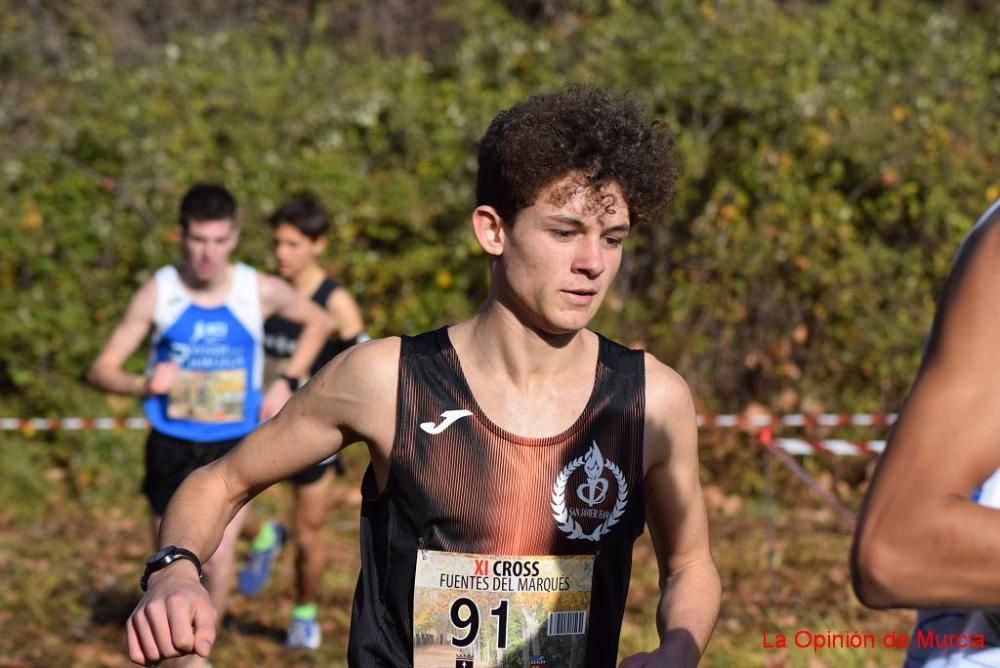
(771, 531)
(765, 438)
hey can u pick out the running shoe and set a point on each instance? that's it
(303, 634)
(256, 569)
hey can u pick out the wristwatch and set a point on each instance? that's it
(166, 556)
(292, 381)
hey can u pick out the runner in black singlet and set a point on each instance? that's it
(516, 455)
(301, 227)
(512, 503)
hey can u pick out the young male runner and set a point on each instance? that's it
(202, 389)
(515, 456)
(300, 228)
(929, 532)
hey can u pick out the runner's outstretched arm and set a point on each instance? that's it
(921, 541)
(349, 400)
(675, 509)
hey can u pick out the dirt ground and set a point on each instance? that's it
(72, 546)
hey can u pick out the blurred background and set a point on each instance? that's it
(832, 154)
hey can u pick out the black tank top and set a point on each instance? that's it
(459, 483)
(281, 335)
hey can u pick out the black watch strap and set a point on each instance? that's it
(166, 556)
(292, 381)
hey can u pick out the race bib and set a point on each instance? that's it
(208, 396)
(485, 611)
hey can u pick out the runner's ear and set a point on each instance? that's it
(488, 227)
(319, 245)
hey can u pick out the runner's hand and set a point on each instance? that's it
(277, 394)
(174, 618)
(162, 379)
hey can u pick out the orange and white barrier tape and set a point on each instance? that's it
(730, 421)
(793, 446)
(742, 421)
(832, 446)
(71, 424)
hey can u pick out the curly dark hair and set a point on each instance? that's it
(584, 130)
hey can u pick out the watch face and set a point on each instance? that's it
(160, 554)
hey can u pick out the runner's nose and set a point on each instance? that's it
(589, 259)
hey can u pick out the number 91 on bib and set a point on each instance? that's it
(489, 611)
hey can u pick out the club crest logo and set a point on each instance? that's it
(207, 330)
(591, 492)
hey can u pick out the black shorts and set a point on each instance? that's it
(316, 471)
(170, 460)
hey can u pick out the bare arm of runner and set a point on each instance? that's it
(690, 589)
(107, 373)
(345, 312)
(352, 398)
(921, 541)
(279, 298)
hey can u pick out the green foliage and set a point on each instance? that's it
(832, 157)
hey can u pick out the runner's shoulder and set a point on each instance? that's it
(269, 284)
(669, 403)
(148, 288)
(662, 381)
(371, 365)
(143, 302)
(985, 234)
(664, 387)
